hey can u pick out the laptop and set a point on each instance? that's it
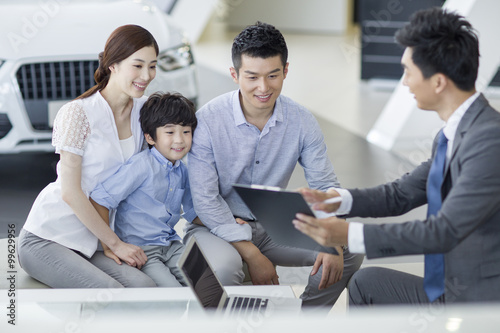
(211, 294)
(275, 208)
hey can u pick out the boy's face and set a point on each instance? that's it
(260, 81)
(172, 141)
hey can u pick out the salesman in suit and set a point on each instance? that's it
(461, 183)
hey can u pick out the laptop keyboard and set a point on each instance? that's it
(244, 306)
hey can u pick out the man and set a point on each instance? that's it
(256, 136)
(460, 183)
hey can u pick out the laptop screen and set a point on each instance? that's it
(202, 279)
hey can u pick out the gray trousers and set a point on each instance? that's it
(60, 267)
(162, 264)
(383, 286)
(228, 264)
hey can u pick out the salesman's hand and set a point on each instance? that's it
(333, 268)
(327, 232)
(317, 198)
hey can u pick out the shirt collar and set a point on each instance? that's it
(239, 117)
(163, 160)
(450, 128)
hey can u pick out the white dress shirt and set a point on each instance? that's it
(356, 240)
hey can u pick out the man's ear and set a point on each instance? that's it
(234, 74)
(440, 82)
(285, 71)
(149, 139)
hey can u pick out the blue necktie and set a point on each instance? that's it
(434, 263)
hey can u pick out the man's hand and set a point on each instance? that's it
(333, 268)
(327, 232)
(318, 198)
(133, 255)
(261, 269)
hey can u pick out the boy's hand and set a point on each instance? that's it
(240, 221)
(197, 221)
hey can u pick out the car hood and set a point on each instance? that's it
(69, 28)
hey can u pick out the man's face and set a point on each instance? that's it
(260, 81)
(421, 88)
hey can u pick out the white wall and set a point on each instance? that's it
(311, 16)
(402, 126)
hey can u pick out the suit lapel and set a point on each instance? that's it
(467, 120)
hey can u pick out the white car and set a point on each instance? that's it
(48, 55)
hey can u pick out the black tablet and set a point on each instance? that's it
(275, 209)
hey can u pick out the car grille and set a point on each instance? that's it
(5, 125)
(41, 83)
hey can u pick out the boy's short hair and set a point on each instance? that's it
(170, 108)
(442, 42)
(260, 40)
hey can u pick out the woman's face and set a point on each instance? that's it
(133, 74)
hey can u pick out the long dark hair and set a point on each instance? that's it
(122, 43)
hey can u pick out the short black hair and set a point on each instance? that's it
(161, 109)
(260, 40)
(442, 42)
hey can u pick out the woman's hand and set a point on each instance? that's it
(133, 255)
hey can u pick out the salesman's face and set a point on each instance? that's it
(422, 88)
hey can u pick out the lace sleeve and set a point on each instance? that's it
(71, 129)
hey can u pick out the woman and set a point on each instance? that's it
(94, 135)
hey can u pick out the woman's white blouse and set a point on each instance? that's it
(85, 127)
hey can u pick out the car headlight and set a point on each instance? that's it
(175, 58)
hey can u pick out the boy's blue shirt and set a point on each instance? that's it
(147, 192)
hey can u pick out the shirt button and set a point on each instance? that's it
(170, 190)
(257, 162)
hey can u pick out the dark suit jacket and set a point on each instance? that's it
(466, 229)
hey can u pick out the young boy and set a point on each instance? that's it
(150, 189)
